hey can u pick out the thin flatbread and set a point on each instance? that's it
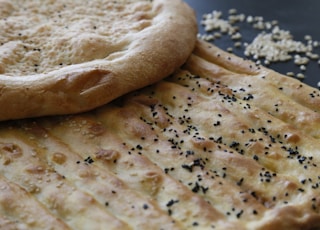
(61, 57)
(220, 144)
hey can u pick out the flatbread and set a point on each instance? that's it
(60, 57)
(220, 144)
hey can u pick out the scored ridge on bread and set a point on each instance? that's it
(220, 144)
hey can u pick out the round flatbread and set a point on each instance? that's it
(60, 57)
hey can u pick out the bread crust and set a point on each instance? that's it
(144, 57)
(220, 144)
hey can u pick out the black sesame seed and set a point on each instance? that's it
(239, 183)
(239, 214)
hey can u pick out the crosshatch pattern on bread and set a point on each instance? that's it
(220, 144)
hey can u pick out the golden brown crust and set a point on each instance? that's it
(144, 54)
(20, 210)
(206, 148)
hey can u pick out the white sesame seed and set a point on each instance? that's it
(272, 44)
(290, 74)
(217, 35)
(232, 11)
(230, 49)
(213, 21)
(268, 25)
(242, 17)
(259, 25)
(237, 44)
(312, 56)
(236, 36)
(249, 19)
(206, 37)
(258, 18)
(300, 76)
(298, 60)
(307, 37)
(303, 67)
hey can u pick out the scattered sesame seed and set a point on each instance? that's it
(271, 45)
(300, 76)
(290, 74)
(232, 11)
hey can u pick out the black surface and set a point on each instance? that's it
(299, 17)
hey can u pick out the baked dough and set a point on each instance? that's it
(221, 144)
(61, 57)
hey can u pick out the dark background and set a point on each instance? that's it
(299, 17)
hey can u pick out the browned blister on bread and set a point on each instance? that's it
(220, 144)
